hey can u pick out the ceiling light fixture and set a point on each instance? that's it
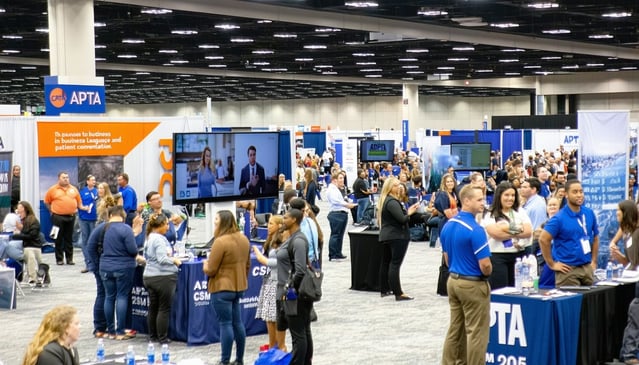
(621, 14)
(156, 11)
(354, 43)
(262, 51)
(570, 67)
(99, 24)
(512, 74)
(371, 70)
(42, 30)
(407, 59)
(315, 46)
(13, 51)
(184, 32)
(363, 54)
(323, 66)
(595, 64)
(550, 58)
(208, 46)
(629, 68)
(471, 21)
(100, 59)
(11, 37)
(168, 51)
(532, 66)
(509, 60)
(285, 35)
(504, 25)
(600, 36)
(132, 41)
(327, 30)
(241, 40)
(373, 75)
(464, 48)
(214, 57)
(179, 61)
(417, 50)
(264, 21)
(217, 66)
(431, 12)
(329, 73)
(261, 63)
(306, 59)
(127, 56)
(455, 59)
(100, 46)
(545, 5)
(227, 26)
(414, 72)
(274, 69)
(410, 66)
(370, 63)
(513, 50)
(361, 4)
(556, 31)
(483, 71)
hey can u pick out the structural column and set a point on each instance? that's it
(410, 110)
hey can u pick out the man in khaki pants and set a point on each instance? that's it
(466, 252)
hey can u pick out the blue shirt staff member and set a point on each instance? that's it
(88, 215)
(466, 252)
(575, 240)
(129, 198)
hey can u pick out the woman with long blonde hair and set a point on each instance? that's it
(54, 341)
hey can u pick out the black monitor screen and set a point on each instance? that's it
(380, 150)
(470, 156)
(224, 166)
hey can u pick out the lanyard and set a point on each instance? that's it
(582, 223)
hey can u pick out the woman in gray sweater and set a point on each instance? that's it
(160, 277)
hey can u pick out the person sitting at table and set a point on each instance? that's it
(54, 341)
(621, 248)
(266, 307)
(160, 277)
(509, 233)
(154, 206)
(30, 237)
(227, 268)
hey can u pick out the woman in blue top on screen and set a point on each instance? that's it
(206, 177)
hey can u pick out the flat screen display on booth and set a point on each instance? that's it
(470, 156)
(224, 166)
(372, 150)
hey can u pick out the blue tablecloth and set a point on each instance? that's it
(193, 319)
(533, 331)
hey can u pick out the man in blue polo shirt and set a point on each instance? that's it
(466, 252)
(129, 198)
(575, 240)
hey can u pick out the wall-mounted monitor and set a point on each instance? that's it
(224, 166)
(376, 150)
(470, 156)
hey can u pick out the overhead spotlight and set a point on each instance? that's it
(361, 4)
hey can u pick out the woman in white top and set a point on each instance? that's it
(509, 234)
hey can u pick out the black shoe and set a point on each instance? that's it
(403, 297)
(166, 341)
(386, 293)
(70, 263)
(60, 262)
(341, 257)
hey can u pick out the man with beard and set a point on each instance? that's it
(575, 240)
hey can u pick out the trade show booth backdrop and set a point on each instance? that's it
(104, 147)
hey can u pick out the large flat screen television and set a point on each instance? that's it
(224, 166)
(376, 150)
(470, 156)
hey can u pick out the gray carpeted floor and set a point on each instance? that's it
(353, 328)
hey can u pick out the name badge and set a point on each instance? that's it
(585, 245)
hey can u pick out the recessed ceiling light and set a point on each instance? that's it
(431, 12)
(371, 70)
(600, 36)
(458, 59)
(620, 14)
(485, 71)
(168, 51)
(208, 46)
(142, 73)
(323, 66)
(612, 69)
(327, 30)
(513, 50)
(167, 65)
(512, 74)
(184, 32)
(302, 59)
(414, 72)
(570, 67)
(274, 69)
(42, 30)
(407, 59)
(417, 50)
(261, 63)
(410, 66)
(446, 68)
(132, 41)
(10, 51)
(242, 40)
(363, 54)
(2, 10)
(556, 31)
(11, 37)
(156, 11)
(509, 60)
(504, 25)
(629, 68)
(315, 46)
(543, 5)
(443, 74)
(373, 75)
(361, 4)
(262, 51)
(8, 71)
(285, 35)
(369, 63)
(28, 68)
(217, 66)
(549, 58)
(544, 73)
(127, 56)
(595, 64)
(179, 61)
(329, 73)
(532, 66)
(214, 57)
(227, 26)
(100, 46)
(264, 21)
(354, 43)
(99, 24)
(100, 59)
(464, 48)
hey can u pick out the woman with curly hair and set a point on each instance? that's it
(54, 341)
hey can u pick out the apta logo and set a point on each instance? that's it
(57, 97)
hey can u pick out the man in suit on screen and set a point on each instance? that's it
(252, 178)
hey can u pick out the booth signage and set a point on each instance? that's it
(61, 98)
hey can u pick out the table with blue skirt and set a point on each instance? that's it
(193, 318)
(584, 329)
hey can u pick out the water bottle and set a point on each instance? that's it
(130, 356)
(619, 270)
(609, 271)
(150, 354)
(165, 354)
(99, 354)
(518, 274)
(242, 222)
(525, 278)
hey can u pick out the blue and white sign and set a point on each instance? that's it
(603, 169)
(63, 98)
